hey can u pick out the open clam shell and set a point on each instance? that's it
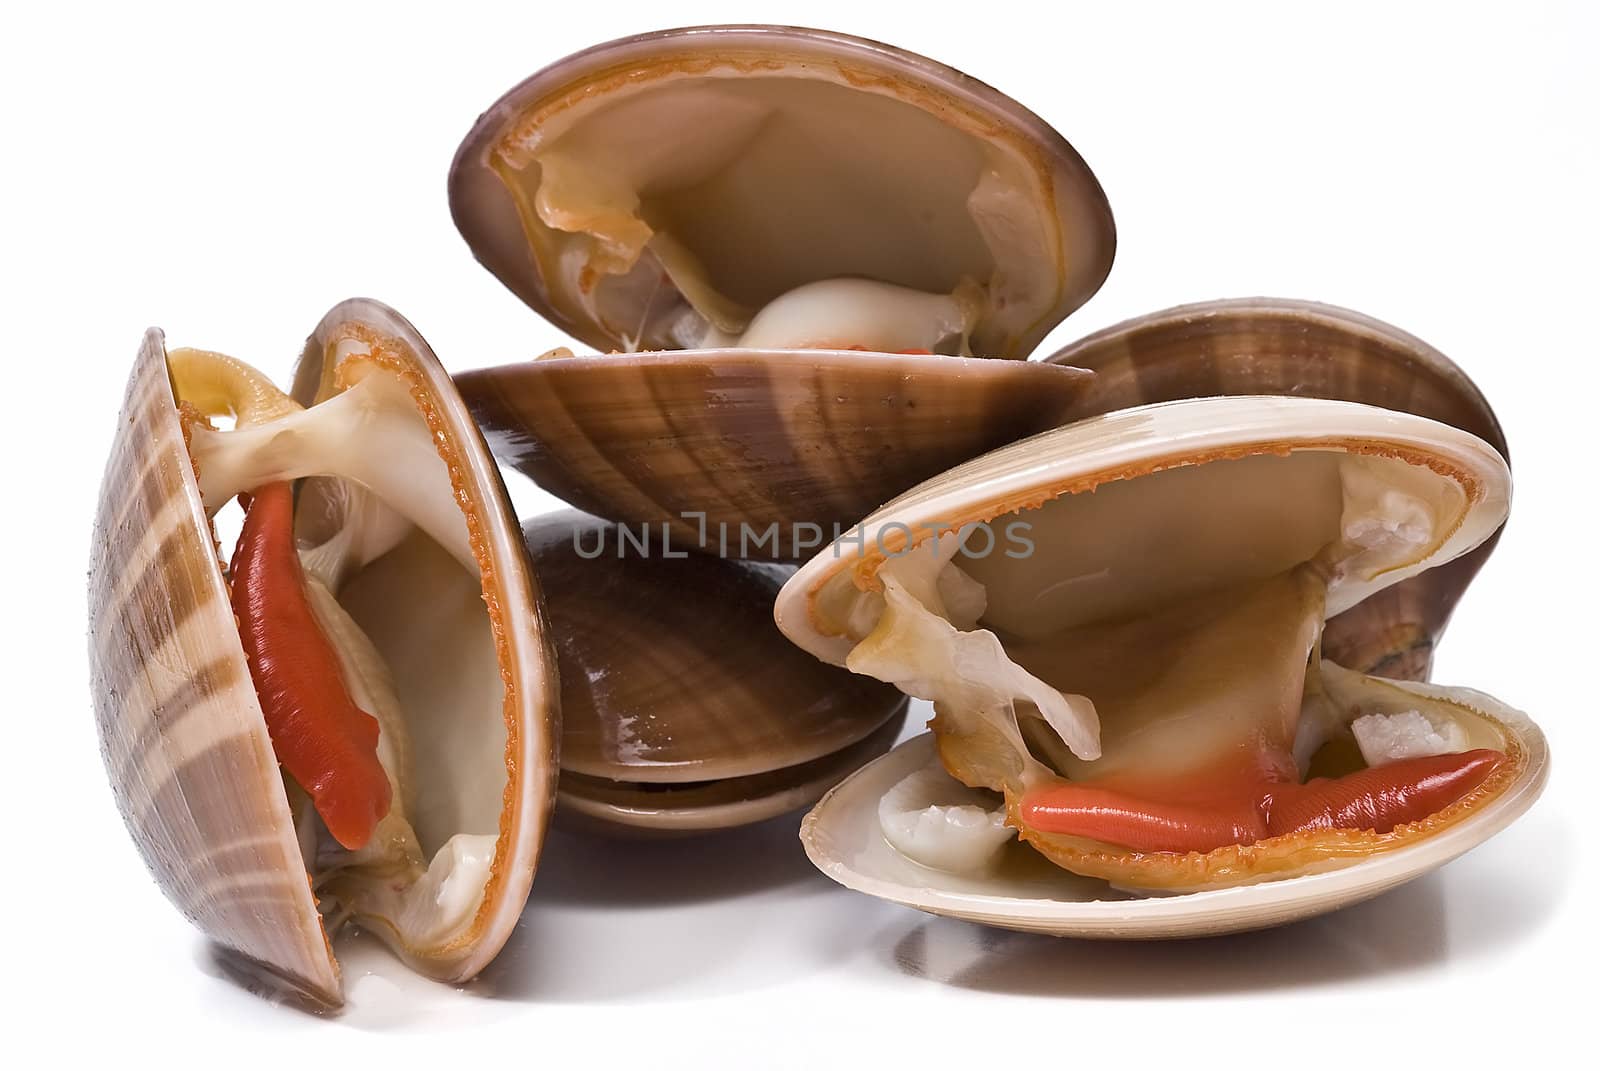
(754, 455)
(644, 189)
(797, 236)
(183, 732)
(683, 707)
(1175, 565)
(1281, 346)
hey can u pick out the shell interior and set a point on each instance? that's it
(1019, 889)
(636, 193)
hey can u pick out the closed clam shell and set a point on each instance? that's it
(1280, 346)
(683, 707)
(1126, 571)
(643, 809)
(182, 729)
(748, 160)
(733, 449)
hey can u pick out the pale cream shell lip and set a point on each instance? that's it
(487, 219)
(842, 838)
(1135, 441)
(1289, 346)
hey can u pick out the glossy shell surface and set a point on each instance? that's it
(754, 439)
(181, 730)
(641, 810)
(1281, 346)
(683, 706)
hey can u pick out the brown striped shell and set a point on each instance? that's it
(1278, 346)
(764, 440)
(683, 707)
(178, 716)
(181, 728)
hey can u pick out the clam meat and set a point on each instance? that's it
(1119, 623)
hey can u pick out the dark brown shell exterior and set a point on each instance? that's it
(678, 692)
(1274, 346)
(672, 668)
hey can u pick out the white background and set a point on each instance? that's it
(230, 176)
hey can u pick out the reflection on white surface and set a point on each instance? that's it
(630, 921)
(1472, 906)
(1404, 930)
(680, 919)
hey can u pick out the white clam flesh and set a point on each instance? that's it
(371, 438)
(842, 314)
(1408, 734)
(932, 819)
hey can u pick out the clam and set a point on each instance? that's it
(1255, 346)
(796, 240)
(1118, 623)
(357, 721)
(683, 707)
